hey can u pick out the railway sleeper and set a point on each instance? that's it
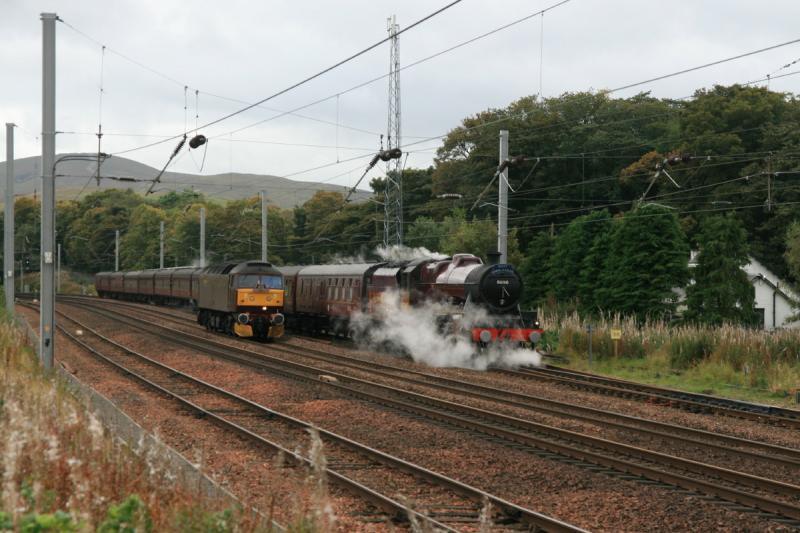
(692, 492)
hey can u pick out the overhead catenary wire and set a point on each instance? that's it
(704, 66)
(405, 67)
(308, 78)
(207, 93)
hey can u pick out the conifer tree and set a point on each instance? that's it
(721, 292)
(571, 247)
(647, 259)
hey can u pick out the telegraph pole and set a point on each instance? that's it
(8, 222)
(116, 251)
(161, 246)
(48, 296)
(202, 237)
(502, 204)
(264, 226)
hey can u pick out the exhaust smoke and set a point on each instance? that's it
(436, 334)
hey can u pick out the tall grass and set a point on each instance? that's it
(61, 472)
(748, 357)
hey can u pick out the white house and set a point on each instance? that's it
(776, 303)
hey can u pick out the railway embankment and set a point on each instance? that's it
(72, 461)
(730, 361)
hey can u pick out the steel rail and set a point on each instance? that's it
(685, 401)
(495, 427)
(784, 456)
(510, 510)
(695, 396)
(694, 402)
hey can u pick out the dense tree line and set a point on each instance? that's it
(610, 197)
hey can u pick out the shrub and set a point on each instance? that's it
(58, 522)
(689, 347)
(129, 516)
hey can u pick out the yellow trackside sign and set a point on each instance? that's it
(259, 297)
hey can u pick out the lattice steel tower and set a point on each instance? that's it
(393, 216)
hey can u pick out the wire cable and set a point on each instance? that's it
(404, 67)
(311, 77)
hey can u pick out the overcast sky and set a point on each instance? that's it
(247, 50)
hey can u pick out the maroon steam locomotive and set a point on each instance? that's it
(480, 299)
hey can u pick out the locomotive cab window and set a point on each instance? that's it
(257, 281)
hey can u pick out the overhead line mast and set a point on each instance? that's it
(393, 193)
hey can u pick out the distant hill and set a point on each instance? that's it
(281, 192)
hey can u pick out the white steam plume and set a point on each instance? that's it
(415, 332)
(387, 253)
(404, 253)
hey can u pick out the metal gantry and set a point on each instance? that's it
(393, 194)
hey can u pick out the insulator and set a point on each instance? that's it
(197, 140)
(394, 153)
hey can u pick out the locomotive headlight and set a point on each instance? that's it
(485, 336)
(534, 336)
(264, 308)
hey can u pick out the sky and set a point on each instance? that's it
(238, 52)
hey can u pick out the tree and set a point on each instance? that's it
(721, 292)
(180, 199)
(567, 262)
(647, 259)
(89, 240)
(793, 249)
(139, 245)
(477, 236)
(425, 232)
(534, 269)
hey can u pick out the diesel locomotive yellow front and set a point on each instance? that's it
(243, 299)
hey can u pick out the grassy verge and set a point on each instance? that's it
(60, 471)
(733, 362)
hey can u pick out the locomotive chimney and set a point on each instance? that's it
(493, 257)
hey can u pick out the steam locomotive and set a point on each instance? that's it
(253, 299)
(477, 299)
(243, 299)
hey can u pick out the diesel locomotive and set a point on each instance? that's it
(242, 299)
(480, 300)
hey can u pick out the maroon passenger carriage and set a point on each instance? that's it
(481, 300)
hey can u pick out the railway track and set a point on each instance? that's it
(693, 402)
(371, 474)
(757, 450)
(689, 401)
(732, 488)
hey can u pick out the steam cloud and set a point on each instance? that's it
(414, 331)
(405, 253)
(387, 253)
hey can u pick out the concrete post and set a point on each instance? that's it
(48, 296)
(502, 204)
(161, 246)
(8, 222)
(264, 227)
(202, 237)
(58, 270)
(116, 251)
